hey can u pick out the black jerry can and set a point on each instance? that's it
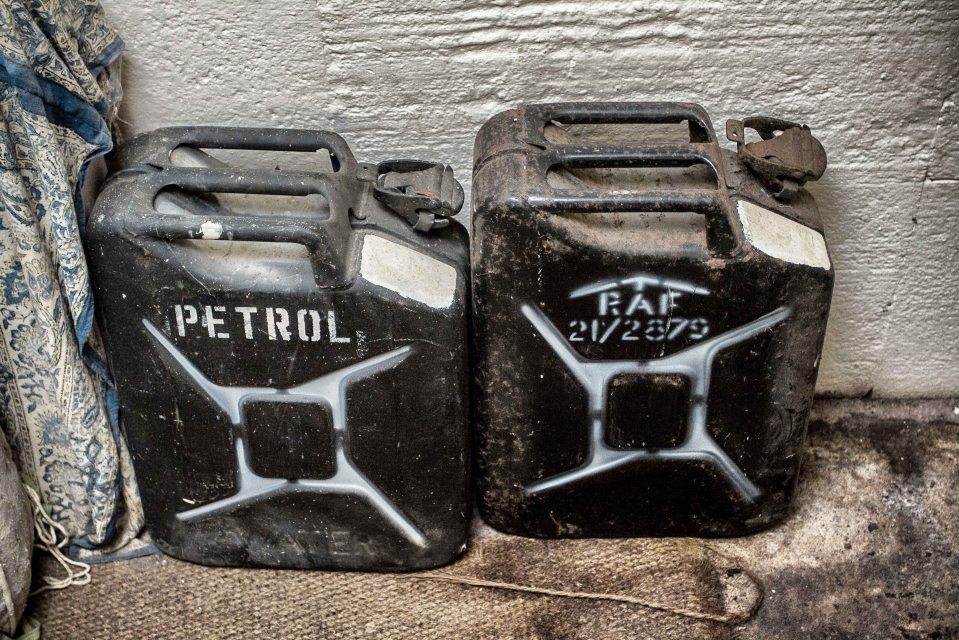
(292, 377)
(648, 313)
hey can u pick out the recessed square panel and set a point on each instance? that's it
(290, 440)
(647, 411)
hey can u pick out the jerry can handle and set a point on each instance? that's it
(321, 236)
(700, 127)
(723, 235)
(262, 139)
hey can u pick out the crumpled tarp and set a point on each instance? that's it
(57, 95)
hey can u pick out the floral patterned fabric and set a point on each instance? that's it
(57, 94)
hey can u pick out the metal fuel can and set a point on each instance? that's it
(649, 312)
(289, 349)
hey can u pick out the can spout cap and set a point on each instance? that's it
(424, 193)
(784, 159)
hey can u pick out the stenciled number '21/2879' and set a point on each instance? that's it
(602, 330)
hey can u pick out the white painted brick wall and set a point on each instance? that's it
(877, 80)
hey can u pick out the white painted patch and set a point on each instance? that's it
(782, 238)
(408, 272)
(211, 230)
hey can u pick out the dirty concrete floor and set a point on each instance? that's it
(873, 548)
(871, 551)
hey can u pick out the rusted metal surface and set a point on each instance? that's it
(785, 158)
(574, 283)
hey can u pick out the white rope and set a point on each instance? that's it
(726, 618)
(52, 537)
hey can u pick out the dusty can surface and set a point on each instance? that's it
(290, 353)
(649, 313)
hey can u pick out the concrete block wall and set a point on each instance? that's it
(878, 81)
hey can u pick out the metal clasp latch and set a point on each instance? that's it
(424, 193)
(783, 162)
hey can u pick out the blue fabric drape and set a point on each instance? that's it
(57, 94)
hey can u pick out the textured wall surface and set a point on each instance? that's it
(878, 81)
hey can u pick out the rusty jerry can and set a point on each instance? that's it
(649, 313)
(289, 349)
